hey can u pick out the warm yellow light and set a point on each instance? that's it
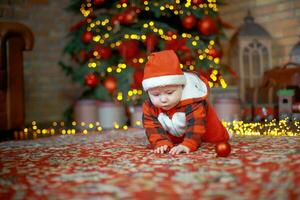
(109, 69)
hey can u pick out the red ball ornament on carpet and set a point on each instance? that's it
(189, 21)
(98, 2)
(207, 26)
(110, 84)
(91, 80)
(87, 36)
(223, 149)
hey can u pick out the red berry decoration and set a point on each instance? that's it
(215, 53)
(123, 1)
(98, 2)
(110, 84)
(87, 36)
(189, 21)
(223, 149)
(207, 26)
(91, 80)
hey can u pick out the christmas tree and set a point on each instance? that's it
(112, 41)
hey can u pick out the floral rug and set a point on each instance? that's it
(118, 165)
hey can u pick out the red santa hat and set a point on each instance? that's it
(161, 69)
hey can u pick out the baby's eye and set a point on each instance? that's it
(170, 92)
(156, 95)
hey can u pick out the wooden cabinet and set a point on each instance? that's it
(14, 39)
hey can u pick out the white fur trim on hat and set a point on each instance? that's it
(194, 87)
(163, 81)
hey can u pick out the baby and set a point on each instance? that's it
(177, 117)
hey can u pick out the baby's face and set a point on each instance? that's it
(165, 97)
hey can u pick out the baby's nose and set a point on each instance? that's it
(163, 99)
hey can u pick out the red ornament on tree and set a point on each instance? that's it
(151, 41)
(197, 2)
(215, 53)
(83, 55)
(116, 19)
(110, 84)
(87, 36)
(123, 1)
(91, 80)
(138, 78)
(189, 21)
(104, 52)
(129, 48)
(129, 17)
(98, 2)
(223, 149)
(207, 26)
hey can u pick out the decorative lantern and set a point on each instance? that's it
(251, 54)
(285, 97)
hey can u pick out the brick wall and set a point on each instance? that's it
(47, 90)
(281, 18)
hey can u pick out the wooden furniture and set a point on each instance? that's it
(14, 39)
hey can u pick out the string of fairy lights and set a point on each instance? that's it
(98, 25)
(275, 127)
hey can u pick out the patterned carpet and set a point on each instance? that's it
(117, 165)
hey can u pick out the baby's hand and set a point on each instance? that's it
(178, 149)
(161, 149)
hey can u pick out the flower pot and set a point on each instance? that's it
(136, 113)
(228, 108)
(111, 115)
(86, 111)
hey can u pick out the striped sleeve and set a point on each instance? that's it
(157, 136)
(196, 125)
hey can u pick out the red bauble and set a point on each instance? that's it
(98, 2)
(83, 55)
(215, 53)
(198, 2)
(175, 44)
(110, 84)
(186, 58)
(91, 80)
(117, 19)
(123, 1)
(129, 48)
(223, 149)
(151, 41)
(138, 78)
(207, 26)
(103, 51)
(87, 36)
(129, 17)
(189, 21)
(171, 33)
